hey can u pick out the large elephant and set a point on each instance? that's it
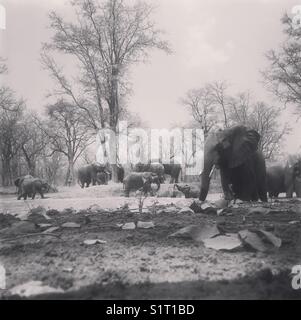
(140, 180)
(173, 169)
(154, 167)
(242, 166)
(284, 179)
(28, 186)
(189, 190)
(19, 180)
(88, 174)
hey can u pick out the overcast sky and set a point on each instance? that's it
(211, 40)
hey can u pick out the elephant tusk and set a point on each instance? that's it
(212, 171)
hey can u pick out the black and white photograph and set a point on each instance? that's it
(150, 150)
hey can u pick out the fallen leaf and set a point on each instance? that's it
(294, 222)
(252, 239)
(227, 242)
(68, 269)
(197, 232)
(145, 225)
(270, 237)
(32, 288)
(129, 226)
(258, 210)
(71, 225)
(186, 210)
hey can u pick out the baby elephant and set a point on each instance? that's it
(190, 191)
(29, 186)
(140, 181)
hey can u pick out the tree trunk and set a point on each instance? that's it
(70, 181)
(6, 172)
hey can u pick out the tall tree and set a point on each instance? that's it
(107, 38)
(67, 134)
(11, 113)
(283, 76)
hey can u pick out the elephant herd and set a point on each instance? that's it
(143, 175)
(234, 151)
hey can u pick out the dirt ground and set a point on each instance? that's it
(142, 263)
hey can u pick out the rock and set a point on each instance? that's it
(71, 225)
(145, 225)
(227, 242)
(186, 210)
(90, 242)
(252, 240)
(129, 226)
(33, 288)
(197, 232)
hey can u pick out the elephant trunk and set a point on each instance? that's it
(159, 185)
(206, 176)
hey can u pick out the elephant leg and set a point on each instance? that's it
(298, 187)
(289, 192)
(225, 180)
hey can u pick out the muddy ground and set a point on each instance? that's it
(142, 263)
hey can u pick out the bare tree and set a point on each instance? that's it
(67, 133)
(208, 105)
(106, 39)
(202, 108)
(283, 76)
(261, 117)
(33, 142)
(11, 112)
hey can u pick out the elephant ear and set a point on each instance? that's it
(17, 182)
(240, 143)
